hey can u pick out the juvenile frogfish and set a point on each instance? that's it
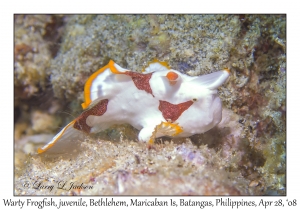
(158, 102)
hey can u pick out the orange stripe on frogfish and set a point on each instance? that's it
(227, 69)
(113, 69)
(87, 87)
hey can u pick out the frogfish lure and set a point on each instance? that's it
(158, 102)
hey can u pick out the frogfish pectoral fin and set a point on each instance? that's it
(61, 141)
(163, 129)
(167, 129)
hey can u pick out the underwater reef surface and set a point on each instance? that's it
(244, 155)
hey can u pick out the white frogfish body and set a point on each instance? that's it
(159, 102)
